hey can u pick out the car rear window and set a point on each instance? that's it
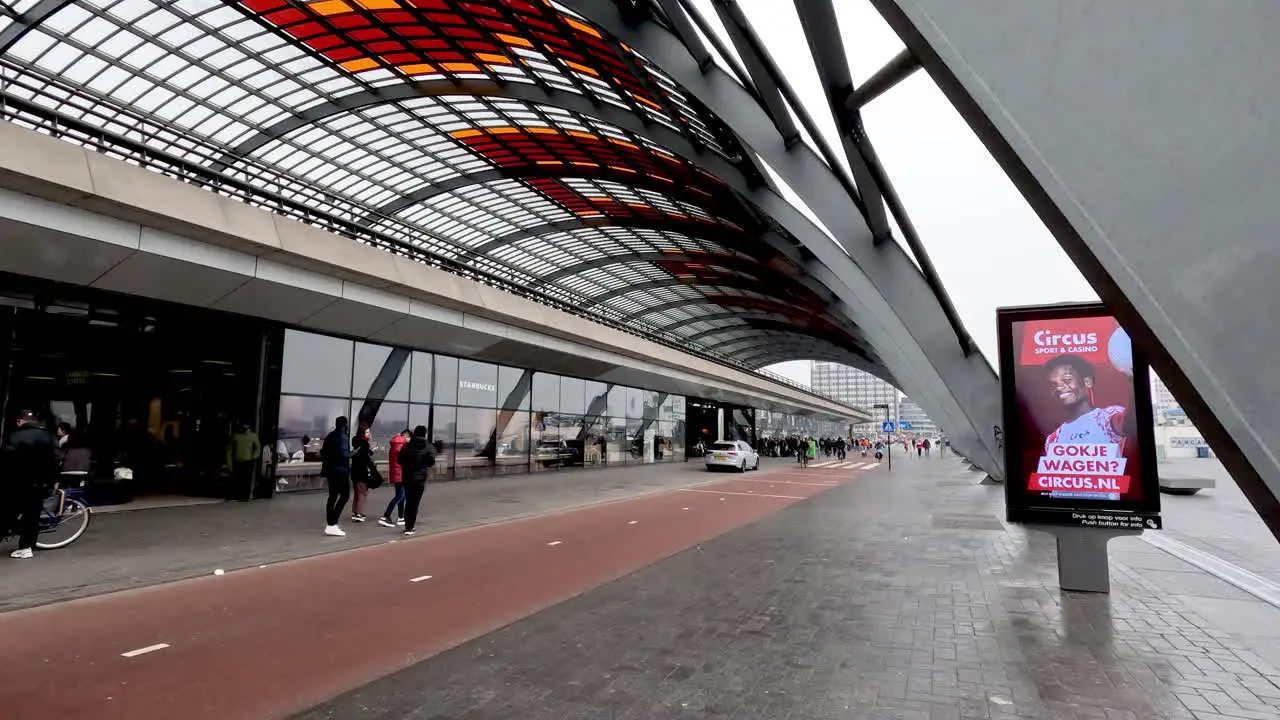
(724, 446)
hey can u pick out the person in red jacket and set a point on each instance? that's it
(395, 475)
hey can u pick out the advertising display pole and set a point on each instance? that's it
(1080, 460)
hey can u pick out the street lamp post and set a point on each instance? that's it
(888, 444)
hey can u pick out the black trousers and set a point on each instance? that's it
(339, 493)
(412, 499)
(20, 509)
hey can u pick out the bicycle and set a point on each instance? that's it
(64, 510)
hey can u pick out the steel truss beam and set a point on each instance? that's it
(883, 291)
(725, 237)
(672, 140)
(902, 66)
(636, 180)
(31, 18)
(822, 30)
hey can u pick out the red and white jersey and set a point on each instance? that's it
(1100, 426)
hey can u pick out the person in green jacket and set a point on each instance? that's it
(243, 452)
(810, 450)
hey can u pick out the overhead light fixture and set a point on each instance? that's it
(218, 362)
(179, 371)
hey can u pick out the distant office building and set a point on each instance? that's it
(921, 425)
(1166, 407)
(855, 387)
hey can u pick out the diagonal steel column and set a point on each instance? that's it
(900, 312)
(1166, 203)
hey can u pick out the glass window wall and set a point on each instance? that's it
(546, 392)
(513, 442)
(371, 361)
(420, 377)
(315, 365)
(514, 388)
(477, 384)
(446, 377)
(484, 419)
(444, 422)
(475, 443)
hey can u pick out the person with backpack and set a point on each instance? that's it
(416, 460)
(335, 466)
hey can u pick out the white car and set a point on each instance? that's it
(732, 454)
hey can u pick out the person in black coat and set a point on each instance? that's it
(416, 460)
(335, 465)
(30, 467)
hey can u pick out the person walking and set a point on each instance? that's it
(416, 460)
(30, 467)
(335, 466)
(395, 474)
(243, 452)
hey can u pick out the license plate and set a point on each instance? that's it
(721, 457)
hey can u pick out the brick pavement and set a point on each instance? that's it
(895, 596)
(137, 548)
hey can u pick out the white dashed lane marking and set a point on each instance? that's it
(554, 543)
(722, 493)
(420, 578)
(633, 522)
(144, 650)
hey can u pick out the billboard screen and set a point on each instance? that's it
(1079, 445)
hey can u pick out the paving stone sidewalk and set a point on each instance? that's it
(897, 596)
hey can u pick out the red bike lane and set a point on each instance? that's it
(274, 640)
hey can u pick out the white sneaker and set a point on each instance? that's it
(335, 531)
(386, 523)
(23, 554)
(400, 521)
(410, 533)
(358, 518)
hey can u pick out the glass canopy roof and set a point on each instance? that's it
(386, 121)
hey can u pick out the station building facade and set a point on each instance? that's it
(160, 387)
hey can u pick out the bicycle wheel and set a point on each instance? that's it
(65, 528)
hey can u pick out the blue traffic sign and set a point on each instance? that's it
(886, 427)
(905, 425)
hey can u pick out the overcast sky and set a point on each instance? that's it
(989, 247)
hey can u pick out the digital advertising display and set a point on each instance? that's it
(1079, 445)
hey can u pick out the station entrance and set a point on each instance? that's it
(141, 384)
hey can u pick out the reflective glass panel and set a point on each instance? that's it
(572, 392)
(547, 448)
(444, 420)
(474, 448)
(391, 420)
(477, 384)
(303, 423)
(546, 392)
(446, 380)
(513, 442)
(315, 365)
(514, 388)
(617, 401)
(597, 398)
(595, 447)
(616, 436)
(420, 377)
(370, 361)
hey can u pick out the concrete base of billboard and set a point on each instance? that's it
(988, 480)
(1082, 556)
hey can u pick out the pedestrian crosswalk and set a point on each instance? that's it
(842, 464)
